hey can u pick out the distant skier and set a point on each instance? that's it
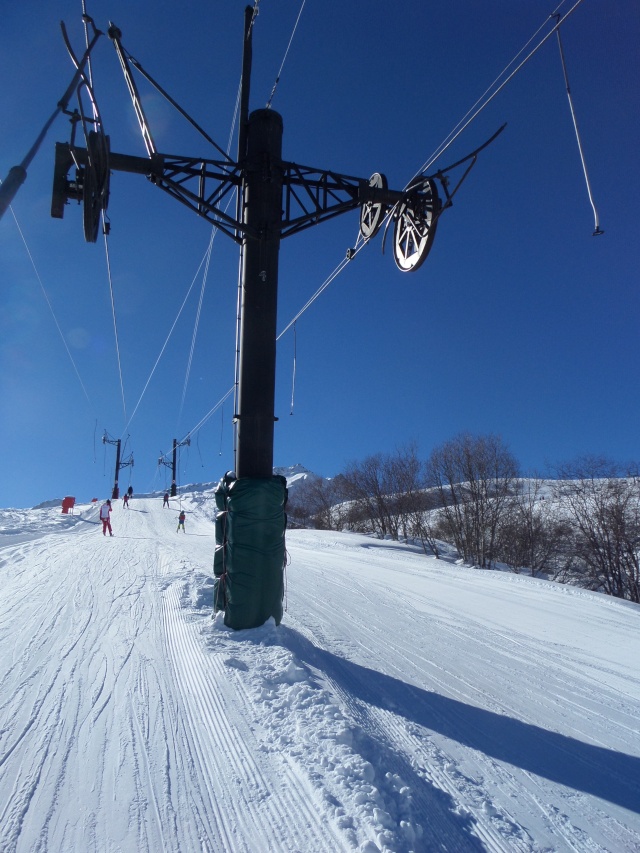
(105, 511)
(125, 501)
(130, 491)
(181, 519)
(165, 502)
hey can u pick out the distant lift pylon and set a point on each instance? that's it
(120, 464)
(174, 463)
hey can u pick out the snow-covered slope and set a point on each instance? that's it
(404, 704)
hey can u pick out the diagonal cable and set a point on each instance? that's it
(113, 314)
(286, 53)
(164, 346)
(48, 301)
(481, 104)
(205, 276)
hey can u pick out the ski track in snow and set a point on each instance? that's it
(404, 704)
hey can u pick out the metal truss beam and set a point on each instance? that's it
(310, 195)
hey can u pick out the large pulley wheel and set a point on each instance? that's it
(95, 193)
(415, 228)
(372, 213)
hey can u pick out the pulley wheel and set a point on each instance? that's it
(415, 227)
(95, 194)
(372, 213)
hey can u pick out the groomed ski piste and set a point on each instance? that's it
(404, 703)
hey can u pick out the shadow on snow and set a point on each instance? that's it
(600, 772)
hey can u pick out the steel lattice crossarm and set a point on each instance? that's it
(314, 195)
(187, 179)
(310, 195)
(301, 196)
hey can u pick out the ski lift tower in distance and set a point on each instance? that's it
(115, 492)
(277, 199)
(174, 463)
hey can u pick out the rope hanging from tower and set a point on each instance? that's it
(597, 230)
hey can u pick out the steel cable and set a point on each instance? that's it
(50, 306)
(597, 228)
(113, 313)
(164, 346)
(286, 53)
(474, 113)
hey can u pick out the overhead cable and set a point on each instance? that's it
(113, 314)
(286, 53)
(205, 259)
(196, 324)
(48, 301)
(461, 126)
(489, 88)
(360, 244)
(164, 346)
(211, 412)
(205, 277)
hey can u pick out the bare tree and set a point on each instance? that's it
(318, 502)
(475, 477)
(365, 487)
(300, 507)
(424, 522)
(405, 476)
(603, 503)
(531, 537)
(384, 491)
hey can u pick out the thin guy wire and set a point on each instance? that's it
(204, 259)
(48, 301)
(197, 322)
(331, 277)
(286, 53)
(500, 88)
(164, 346)
(113, 312)
(295, 355)
(444, 142)
(209, 414)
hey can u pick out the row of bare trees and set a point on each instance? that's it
(579, 525)
(603, 503)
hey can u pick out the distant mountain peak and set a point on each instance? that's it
(296, 470)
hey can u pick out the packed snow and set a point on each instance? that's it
(404, 703)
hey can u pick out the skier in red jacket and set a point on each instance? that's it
(105, 511)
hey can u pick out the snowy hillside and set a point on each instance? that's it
(404, 704)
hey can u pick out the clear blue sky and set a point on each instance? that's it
(520, 322)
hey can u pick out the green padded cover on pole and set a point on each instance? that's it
(249, 562)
